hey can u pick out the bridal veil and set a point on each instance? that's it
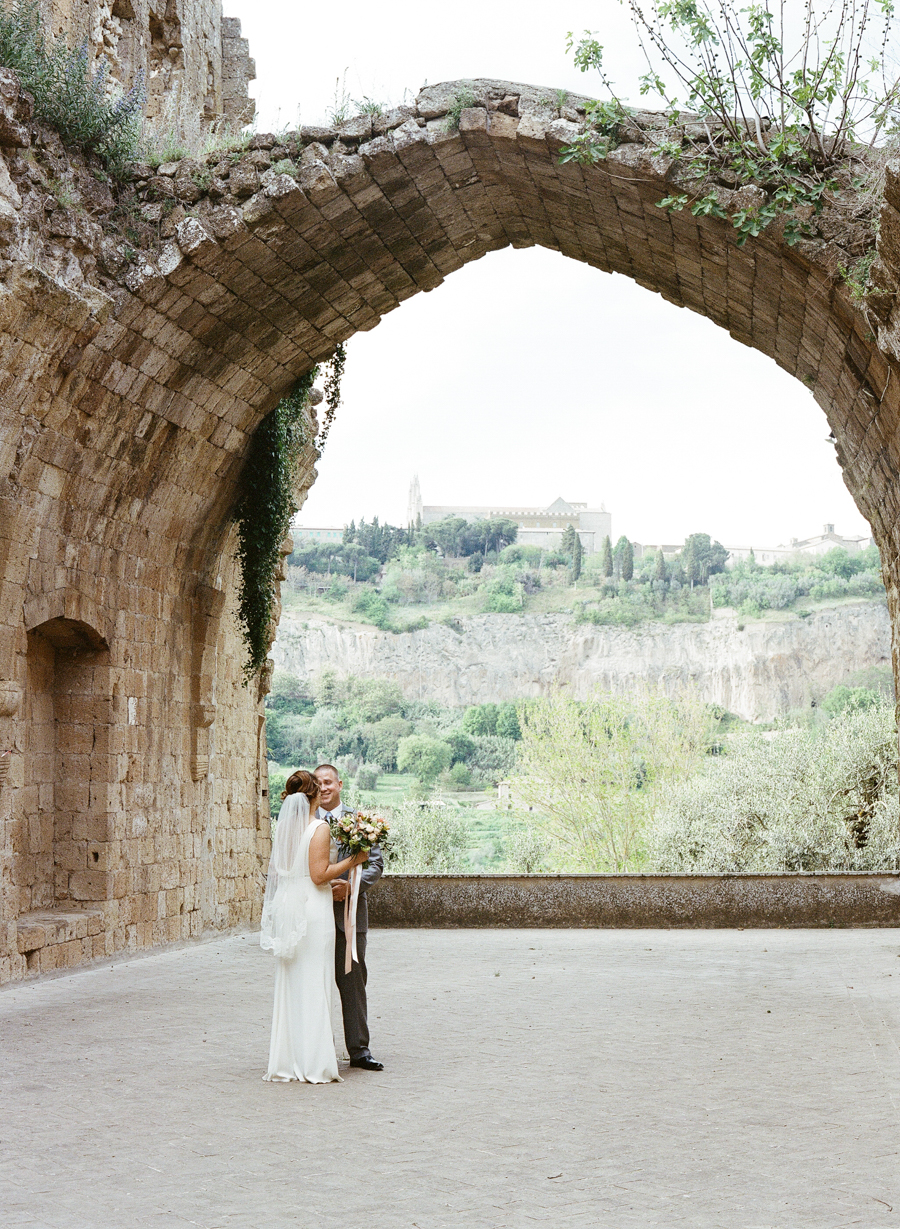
(283, 923)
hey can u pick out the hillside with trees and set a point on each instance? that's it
(435, 770)
(402, 579)
(385, 747)
(629, 782)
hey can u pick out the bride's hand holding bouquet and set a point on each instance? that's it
(360, 832)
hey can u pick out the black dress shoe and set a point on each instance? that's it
(367, 1062)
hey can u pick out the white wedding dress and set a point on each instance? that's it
(298, 928)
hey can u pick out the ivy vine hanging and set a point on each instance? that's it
(266, 503)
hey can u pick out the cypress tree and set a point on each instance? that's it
(689, 561)
(660, 572)
(577, 555)
(606, 559)
(627, 561)
(619, 556)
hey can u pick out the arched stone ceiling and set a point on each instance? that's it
(250, 292)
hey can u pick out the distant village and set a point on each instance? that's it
(545, 527)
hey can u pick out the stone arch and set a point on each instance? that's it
(128, 398)
(68, 618)
(266, 283)
(62, 855)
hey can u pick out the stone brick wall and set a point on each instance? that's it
(135, 809)
(238, 70)
(196, 66)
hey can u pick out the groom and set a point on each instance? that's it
(352, 985)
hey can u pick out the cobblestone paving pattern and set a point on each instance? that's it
(561, 1078)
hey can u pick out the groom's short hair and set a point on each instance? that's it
(330, 767)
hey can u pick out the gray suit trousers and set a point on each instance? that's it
(352, 985)
(352, 988)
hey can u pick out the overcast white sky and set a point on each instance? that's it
(526, 376)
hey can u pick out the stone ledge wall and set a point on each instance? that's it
(661, 901)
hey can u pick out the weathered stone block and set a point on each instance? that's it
(437, 100)
(90, 885)
(357, 129)
(31, 937)
(243, 179)
(392, 119)
(473, 119)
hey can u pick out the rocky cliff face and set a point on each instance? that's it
(755, 669)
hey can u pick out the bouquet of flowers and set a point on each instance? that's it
(360, 832)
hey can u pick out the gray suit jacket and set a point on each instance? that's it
(370, 875)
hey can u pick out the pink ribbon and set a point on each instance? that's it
(351, 900)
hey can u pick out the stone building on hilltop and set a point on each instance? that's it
(818, 544)
(537, 526)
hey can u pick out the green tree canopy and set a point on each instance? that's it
(383, 740)
(289, 694)
(598, 768)
(425, 757)
(481, 719)
(701, 557)
(377, 540)
(567, 544)
(627, 560)
(462, 748)
(577, 556)
(842, 699)
(456, 537)
(373, 699)
(508, 722)
(496, 533)
(332, 558)
(327, 690)
(840, 562)
(618, 551)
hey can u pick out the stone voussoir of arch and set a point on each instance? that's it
(135, 810)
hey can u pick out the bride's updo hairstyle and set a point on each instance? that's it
(301, 782)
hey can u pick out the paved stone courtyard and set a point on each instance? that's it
(590, 1078)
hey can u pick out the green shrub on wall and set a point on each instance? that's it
(68, 92)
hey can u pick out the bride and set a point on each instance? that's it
(298, 928)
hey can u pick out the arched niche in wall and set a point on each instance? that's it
(62, 849)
